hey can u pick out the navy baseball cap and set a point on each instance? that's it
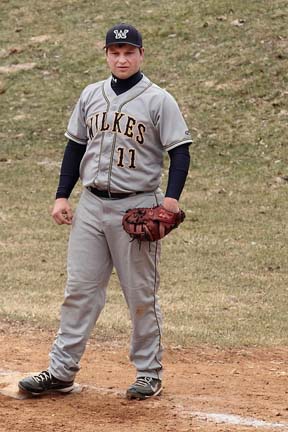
(123, 34)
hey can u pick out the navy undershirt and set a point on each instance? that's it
(74, 152)
(122, 85)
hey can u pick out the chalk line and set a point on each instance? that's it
(238, 420)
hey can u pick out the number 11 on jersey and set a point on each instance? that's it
(122, 157)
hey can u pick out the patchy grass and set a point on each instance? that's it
(224, 272)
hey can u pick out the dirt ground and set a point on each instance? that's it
(205, 389)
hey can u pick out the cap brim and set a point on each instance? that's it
(122, 43)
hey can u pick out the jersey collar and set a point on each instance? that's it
(130, 94)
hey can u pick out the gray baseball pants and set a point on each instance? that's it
(98, 243)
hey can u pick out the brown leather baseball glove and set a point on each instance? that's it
(151, 224)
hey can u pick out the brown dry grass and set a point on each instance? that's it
(224, 272)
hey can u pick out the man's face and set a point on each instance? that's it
(124, 60)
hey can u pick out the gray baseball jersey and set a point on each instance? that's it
(126, 135)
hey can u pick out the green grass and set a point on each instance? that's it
(224, 272)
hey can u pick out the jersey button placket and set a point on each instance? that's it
(101, 180)
(113, 137)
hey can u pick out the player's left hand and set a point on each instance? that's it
(170, 204)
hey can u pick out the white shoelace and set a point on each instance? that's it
(43, 376)
(143, 381)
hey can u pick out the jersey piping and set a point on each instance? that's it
(177, 143)
(74, 138)
(103, 133)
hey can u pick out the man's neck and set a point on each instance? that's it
(122, 85)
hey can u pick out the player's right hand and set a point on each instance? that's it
(62, 212)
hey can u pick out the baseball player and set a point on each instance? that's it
(117, 135)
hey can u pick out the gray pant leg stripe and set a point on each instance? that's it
(155, 284)
(157, 321)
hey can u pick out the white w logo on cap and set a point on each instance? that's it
(121, 34)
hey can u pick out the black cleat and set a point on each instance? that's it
(44, 383)
(144, 387)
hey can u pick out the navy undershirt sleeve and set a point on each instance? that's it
(69, 173)
(178, 170)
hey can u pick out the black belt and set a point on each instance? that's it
(106, 194)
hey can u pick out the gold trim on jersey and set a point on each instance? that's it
(128, 126)
(177, 143)
(75, 138)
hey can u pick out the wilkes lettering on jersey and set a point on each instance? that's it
(121, 123)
